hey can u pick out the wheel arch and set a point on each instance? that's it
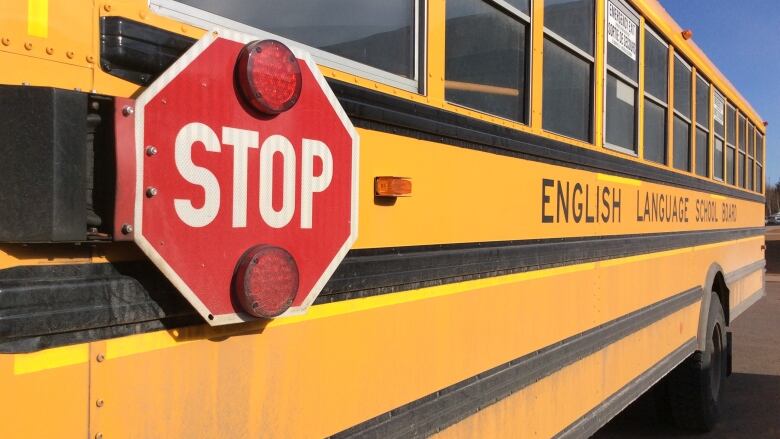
(714, 282)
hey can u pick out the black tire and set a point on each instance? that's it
(695, 387)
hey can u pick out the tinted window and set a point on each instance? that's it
(485, 59)
(378, 33)
(566, 92)
(742, 179)
(742, 132)
(750, 139)
(703, 103)
(681, 148)
(730, 165)
(717, 159)
(523, 5)
(622, 39)
(682, 88)
(759, 179)
(750, 167)
(655, 132)
(760, 148)
(719, 113)
(702, 152)
(572, 20)
(656, 67)
(621, 119)
(731, 133)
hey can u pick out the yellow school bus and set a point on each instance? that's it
(581, 219)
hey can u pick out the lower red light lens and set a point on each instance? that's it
(269, 76)
(266, 281)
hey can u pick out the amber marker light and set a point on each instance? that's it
(687, 34)
(392, 187)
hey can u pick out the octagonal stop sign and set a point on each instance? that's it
(242, 209)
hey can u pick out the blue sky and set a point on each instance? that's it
(742, 38)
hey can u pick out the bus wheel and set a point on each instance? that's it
(695, 387)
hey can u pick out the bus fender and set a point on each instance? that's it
(707, 289)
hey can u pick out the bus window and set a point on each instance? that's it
(731, 141)
(751, 155)
(622, 76)
(486, 58)
(682, 115)
(702, 126)
(376, 33)
(656, 97)
(759, 162)
(742, 134)
(568, 68)
(719, 119)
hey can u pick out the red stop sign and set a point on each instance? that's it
(215, 179)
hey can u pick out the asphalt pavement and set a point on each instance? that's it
(751, 406)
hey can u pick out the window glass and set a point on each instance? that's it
(378, 33)
(622, 39)
(682, 88)
(719, 113)
(485, 59)
(717, 159)
(741, 170)
(760, 148)
(702, 152)
(572, 20)
(656, 67)
(566, 92)
(703, 102)
(751, 139)
(621, 113)
(730, 165)
(682, 155)
(522, 5)
(759, 179)
(742, 128)
(731, 132)
(750, 166)
(655, 132)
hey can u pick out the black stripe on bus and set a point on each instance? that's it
(53, 305)
(378, 111)
(378, 271)
(450, 405)
(591, 422)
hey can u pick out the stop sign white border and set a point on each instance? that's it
(169, 75)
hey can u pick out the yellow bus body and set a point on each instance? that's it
(347, 362)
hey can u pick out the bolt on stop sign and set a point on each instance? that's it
(246, 179)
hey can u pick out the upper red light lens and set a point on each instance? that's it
(269, 76)
(266, 281)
